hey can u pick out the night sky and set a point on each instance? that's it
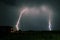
(9, 13)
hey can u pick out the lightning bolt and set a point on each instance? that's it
(17, 24)
(50, 18)
(49, 24)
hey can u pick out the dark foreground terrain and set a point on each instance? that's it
(31, 35)
(6, 34)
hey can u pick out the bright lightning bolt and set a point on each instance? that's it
(50, 17)
(17, 25)
(49, 24)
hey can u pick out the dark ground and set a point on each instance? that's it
(31, 35)
(5, 34)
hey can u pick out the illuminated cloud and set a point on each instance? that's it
(34, 11)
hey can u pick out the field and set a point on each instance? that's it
(31, 35)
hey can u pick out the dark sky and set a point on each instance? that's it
(9, 14)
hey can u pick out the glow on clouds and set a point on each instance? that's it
(34, 10)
